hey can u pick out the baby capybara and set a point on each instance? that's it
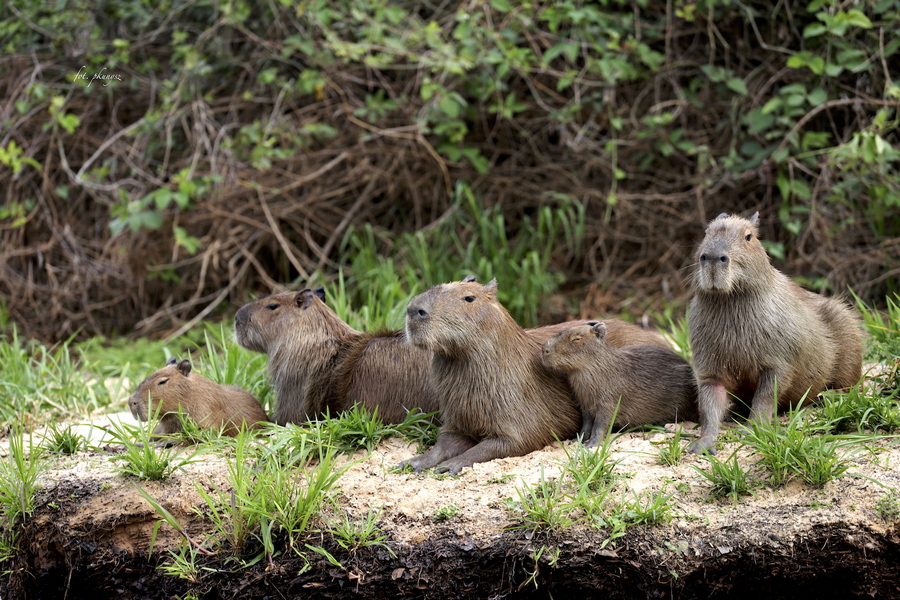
(211, 405)
(640, 385)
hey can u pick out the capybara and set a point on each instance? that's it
(756, 334)
(317, 362)
(618, 333)
(175, 388)
(640, 385)
(497, 398)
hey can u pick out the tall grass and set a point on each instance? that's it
(18, 484)
(275, 493)
(43, 381)
(386, 270)
(883, 328)
(226, 363)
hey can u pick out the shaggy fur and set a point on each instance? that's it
(755, 333)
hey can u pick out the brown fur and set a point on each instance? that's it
(317, 362)
(210, 405)
(755, 333)
(618, 333)
(640, 385)
(497, 398)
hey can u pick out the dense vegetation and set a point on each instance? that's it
(228, 146)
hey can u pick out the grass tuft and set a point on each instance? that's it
(145, 458)
(63, 440)
(18, 484)
(728, 478)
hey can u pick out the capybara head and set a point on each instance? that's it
(456, 318)
(731, 257)
(164, 388)
(267, 322)
(574, 348)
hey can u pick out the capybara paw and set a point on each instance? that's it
(701, 446)
(409, 463)
(450, 466)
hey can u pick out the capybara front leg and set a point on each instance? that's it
(713, 402)
(587, 425)
(484, 451)
(447, 446)
(762, 407)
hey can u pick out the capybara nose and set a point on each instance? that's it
(416, 312)
(709, 258)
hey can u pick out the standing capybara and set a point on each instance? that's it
(497, 398)
(640, 385)
(755, 333)
(174, 388)
(317, 362)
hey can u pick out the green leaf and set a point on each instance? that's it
(569, 49)
(736, 84)
(771, 106)
(854, 17)
(817, 96)
(802, 59)
(801, 188)
(449, 107)
(794, 88)
(476, 159)
(181, 199)
(833, 70)
(758, 121)
(775, 249)
(69, 122)
(501, 5)
(815, 140)
(160, 198)
(814, 29)
(795, 99)
(714, 73)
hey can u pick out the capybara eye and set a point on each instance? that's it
(271, 306)
(469, 298)
(163, 381)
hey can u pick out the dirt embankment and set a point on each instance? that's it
(91, 533)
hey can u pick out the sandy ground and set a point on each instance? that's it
(102, 501)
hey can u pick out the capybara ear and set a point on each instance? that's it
(172, 360)
(491, 288)
(592, 323)
(320, 292)
(754, 218)
(722, 216)
(185, 367)
(302, 298)
(469, 279)
(599, 328)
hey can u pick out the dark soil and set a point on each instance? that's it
(827, 562)
(90, 536)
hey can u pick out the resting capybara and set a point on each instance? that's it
(755, 333)
(618, 333)
(497, 398)
(640, 385)
(209, 404)
(318, 362)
